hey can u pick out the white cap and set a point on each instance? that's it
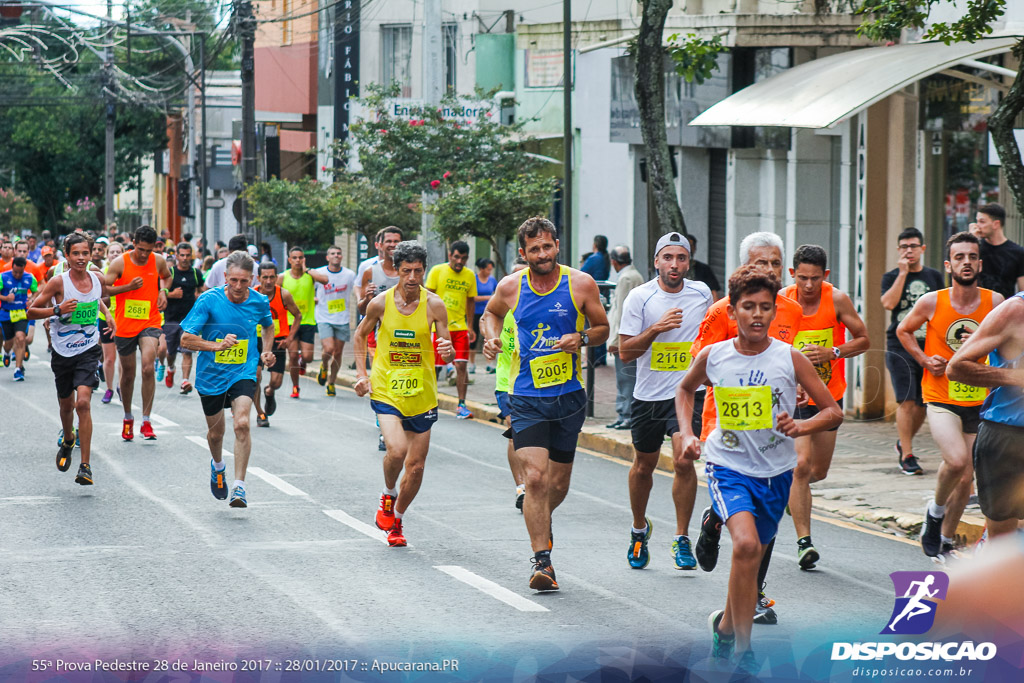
(252, 250)
(672, 239)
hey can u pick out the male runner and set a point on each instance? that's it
(456, 285)
(15, 286)
(762, 249)
(72, 301)
(21, 248)
(222, 327)
(107, 332)
(285, 334)
(368, 263)
(660, 320)
(403, 389)
(827, 316)
(550, 304)
(332, 315)
(302, 284)
(501, 381)
(954, 408)
(137, 275)
(184, 285)
(750, 453)
(6, 253)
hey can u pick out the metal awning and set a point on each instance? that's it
(824, 92)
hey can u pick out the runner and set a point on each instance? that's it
(954, 408)
(107, 333)
(182, 288)
(6, 253)
(660, 320)
(72, 301)
(368, 263)
(285, 334)
(301, 284)
(15, 286)
(403, 390)
(456, 285)
(762, 249)
(138, 274)
(550, 304)
(750, 453)
(501, 380)
(827, 315)
(332, 315)
(222, 327)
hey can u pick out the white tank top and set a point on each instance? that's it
(76, 332)
(750, 392)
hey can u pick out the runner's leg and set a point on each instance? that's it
(641, 480)
(147, 352)
(684, 486)
(537, 506)
(109, 356)
(339, 350)
(396, 439)
(412, 477)
(128, 380)
(83, 406)
(241, 406)
(461, 378)
(215, 436)
(293, 362)
(814, 454)
(747, 551)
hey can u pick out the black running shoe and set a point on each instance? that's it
(763, 612)
(64, 452)
(542, 577)
(931, 534)
(262, 421)
(520, 497)
(84, 476)
(910, 466)
(706, 548)
(807, 555)
(269, 403)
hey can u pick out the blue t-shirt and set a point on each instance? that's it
(21, 287)
(597, 266)
(484, 289)
(213, 317)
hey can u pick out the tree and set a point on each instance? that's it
(302, 212)
(365, 207)
(886, 20)
(17, 214)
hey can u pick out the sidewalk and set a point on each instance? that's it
(864, 483)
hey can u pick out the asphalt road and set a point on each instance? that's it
(146, 564)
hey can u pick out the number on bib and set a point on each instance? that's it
(966, 393)
(552, 369)
(336, 306)
(817, 337)
(405, 381)
(136, 309)
(744, 408)
(671, 356)
(236, 355)
(84, 313)
(18, 314)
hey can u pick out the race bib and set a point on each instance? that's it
(336, 306)
(136, 309)
(18, 314)
(405, 382)
(236, 355)
(277, 329)
(816, 337)
(84, 313)
(671, 356)
(552, 369)
(966, 393)
(744, 408)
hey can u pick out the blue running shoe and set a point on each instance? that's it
(462, 412)
(683, 554)
(218, 482)
(78, 439)
(238, 498)
(19, 375)
(638, 555)
(160, 370)
(721, 645)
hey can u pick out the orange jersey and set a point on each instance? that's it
(718, 326)
(822, 328)
(280, 314)
(944, 335)
(136, 310)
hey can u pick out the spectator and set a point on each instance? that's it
(33, 250)
(485, 286)
(901, 288)
(1002, 260)
(207, 264)
(598, 266)
(625, 373)
(267, 255)
(701, 272)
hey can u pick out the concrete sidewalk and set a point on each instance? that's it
(865, 483)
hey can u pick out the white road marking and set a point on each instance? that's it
(276, 481)
(490, 588)
(201, 442)
(363, 528)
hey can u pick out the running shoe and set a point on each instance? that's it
(7, 360)
(169, 379)
(542, 576)
(520, 497)
(28, 351)
(381, 446)
(748, 663)
(683, 554)
(147, 432)
(899, 449)
(947, 553)
(638, 554)
(763, 612)
(84, 476)
(107, 396)
(218, 482)
(302, 365)
(261, 420)
(931, 533)
(385, 517)
(396, 539)
(910, 466)
(331, 391)
(721, 644)
(462, 412)
(238, 498)
(807, 556)
(295, 392)
(19, 375)
(186, 387)
(706, 549)
(99, 372)
(321, 377)
(160, 370)
(491, 369)
(126, 430)
(64, 452)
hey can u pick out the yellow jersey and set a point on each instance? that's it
(403, 363)
(455, 290)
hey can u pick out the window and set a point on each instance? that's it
(396, 60)
(451, 55)
(286, 25)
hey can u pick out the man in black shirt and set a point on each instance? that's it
(901, 288)
(185, 284)
(1002, 260)
(702, 272)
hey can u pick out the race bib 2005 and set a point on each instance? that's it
(670, 356)
(744, 408)
(552, 369)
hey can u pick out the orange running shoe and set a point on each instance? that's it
(295, 392)
(126, 430)
(169, 378)
(542, 578)
(386, 512)
(396, 539)
(147, 432)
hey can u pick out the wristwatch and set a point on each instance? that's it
(584, 339)
(56, 311)
(835, 352)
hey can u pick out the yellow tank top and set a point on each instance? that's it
(403, 364)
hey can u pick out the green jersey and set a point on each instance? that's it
(508, 347)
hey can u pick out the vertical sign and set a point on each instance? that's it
(346, 55)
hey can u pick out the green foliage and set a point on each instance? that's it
(366, 207)
(695, 58)
(17, 214)
(888, 18)
(302, 212)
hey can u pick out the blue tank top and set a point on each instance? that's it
(1005, 404)
(541, 320)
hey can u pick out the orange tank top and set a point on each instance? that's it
(280, 314)
(136, 310)
(944, 335)
(822, 328)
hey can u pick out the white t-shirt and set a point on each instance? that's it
(334, 299)
(215, 278)
(660, 369)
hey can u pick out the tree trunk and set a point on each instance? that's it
(1000, 124)
(498, 255)
(650, 98)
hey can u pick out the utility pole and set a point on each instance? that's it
(203, 160)
(246, 24)
(433, 90)
(567, 133)
(111, 118)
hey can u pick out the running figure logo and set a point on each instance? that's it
(916, 596)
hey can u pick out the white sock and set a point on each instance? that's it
(946, 540)
(936, 510)
(145, 419)
(640, 531)
(239, 484)
(129, 416)
(391, 492)
(219, 466)
(398, 515)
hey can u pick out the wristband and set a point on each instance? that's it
(836, 352)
